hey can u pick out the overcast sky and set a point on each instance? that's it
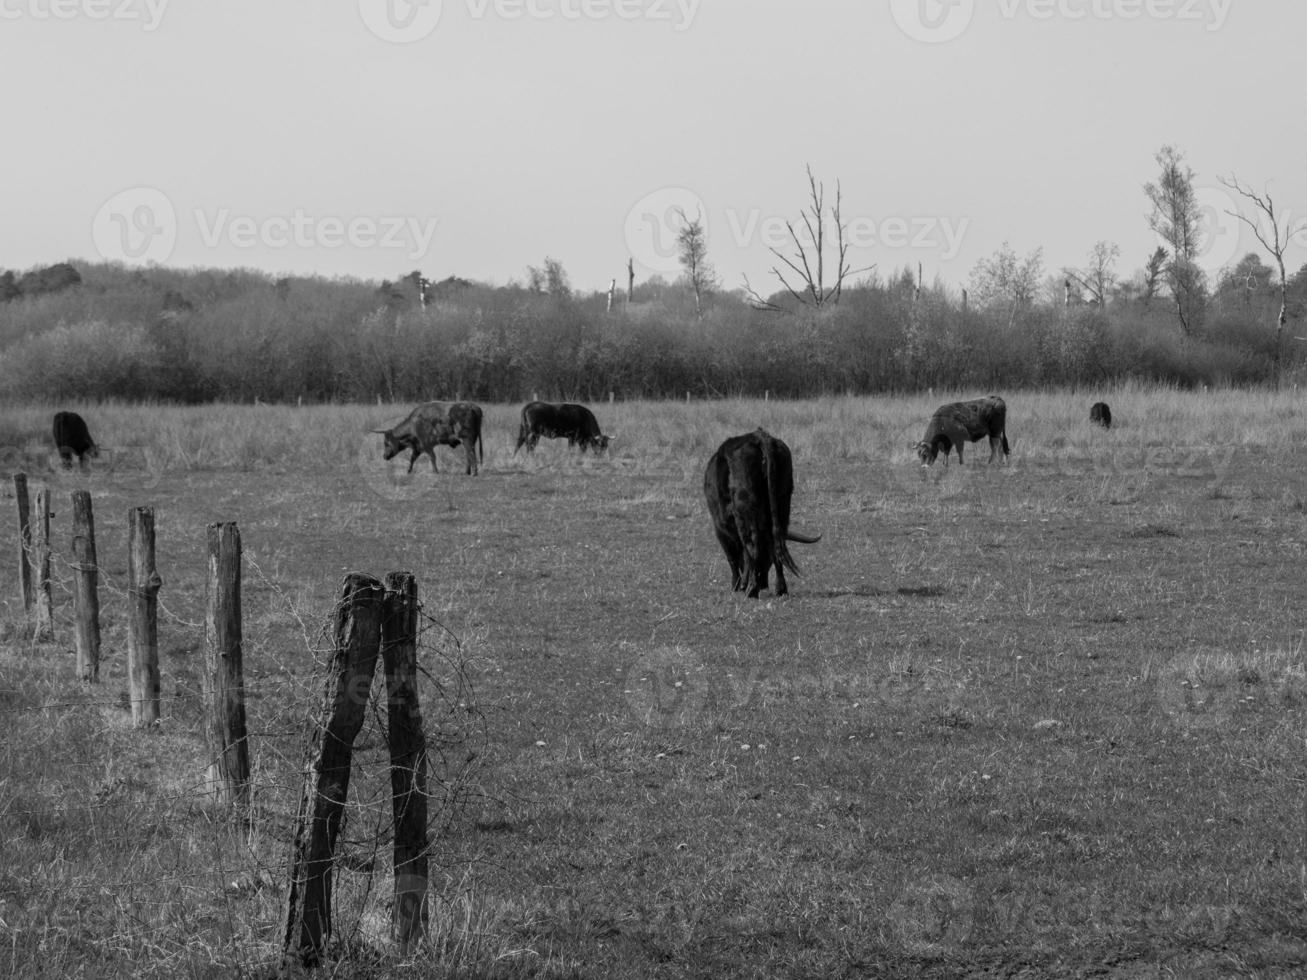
(477, 137)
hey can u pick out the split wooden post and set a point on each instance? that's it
(44, 623)
(143, 634)
(326, 783)
(86, 589)
(20, 494)
(224, 682)
(408, 758)
(24, 541)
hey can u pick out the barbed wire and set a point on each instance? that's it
(451, 721)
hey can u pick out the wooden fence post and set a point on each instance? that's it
(44, 629)
(86, 590)
(224, 682)
(24, 541)
(143, 634)
(408, 758)
(326, 783)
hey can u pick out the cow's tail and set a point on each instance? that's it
(1006, 451)
(779, 533)
(521, 433)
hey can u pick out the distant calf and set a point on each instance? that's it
(1100, 414)
(575, 423)
(437, 424)
(954, 425)
(72, 438)
(748, 485)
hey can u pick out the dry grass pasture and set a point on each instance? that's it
(1034, 720)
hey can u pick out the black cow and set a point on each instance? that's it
(72, 438)
(748, 484)
(437, 424)
(575, 423)
(1100, 414)
(954, 425)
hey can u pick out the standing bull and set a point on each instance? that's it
(1100, 414)
(437, 424)
(575, 423)
(72, 438)
(748, 485)
(954, 425)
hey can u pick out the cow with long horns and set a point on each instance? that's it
(437, 424)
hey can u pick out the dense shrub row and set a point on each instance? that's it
(191, 336)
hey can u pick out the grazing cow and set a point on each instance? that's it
(72, 438)
(954, 425)
(748, 485)
(437, 424)
(575, 423)
(1100, 414)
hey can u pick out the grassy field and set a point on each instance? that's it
(1041, 720)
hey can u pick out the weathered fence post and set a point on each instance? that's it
(224, 683)
(24, 541)
(44, 628)
(326, 783)
(408, 758)
(143, 635)
(86, 589)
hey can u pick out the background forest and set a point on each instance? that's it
(94, 331)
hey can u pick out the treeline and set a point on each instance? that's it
(202, 335)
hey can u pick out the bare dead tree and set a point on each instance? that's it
(1275, 242)
(807, 264)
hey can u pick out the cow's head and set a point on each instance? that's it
(601, 442)
(924, 453)
(394, 446)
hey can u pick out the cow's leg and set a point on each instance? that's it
(414, 458)
(744, 506)
(959, 448)
(431, 451)
(734, 557)
(993, 447)
(781, 587)
(469, 444)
